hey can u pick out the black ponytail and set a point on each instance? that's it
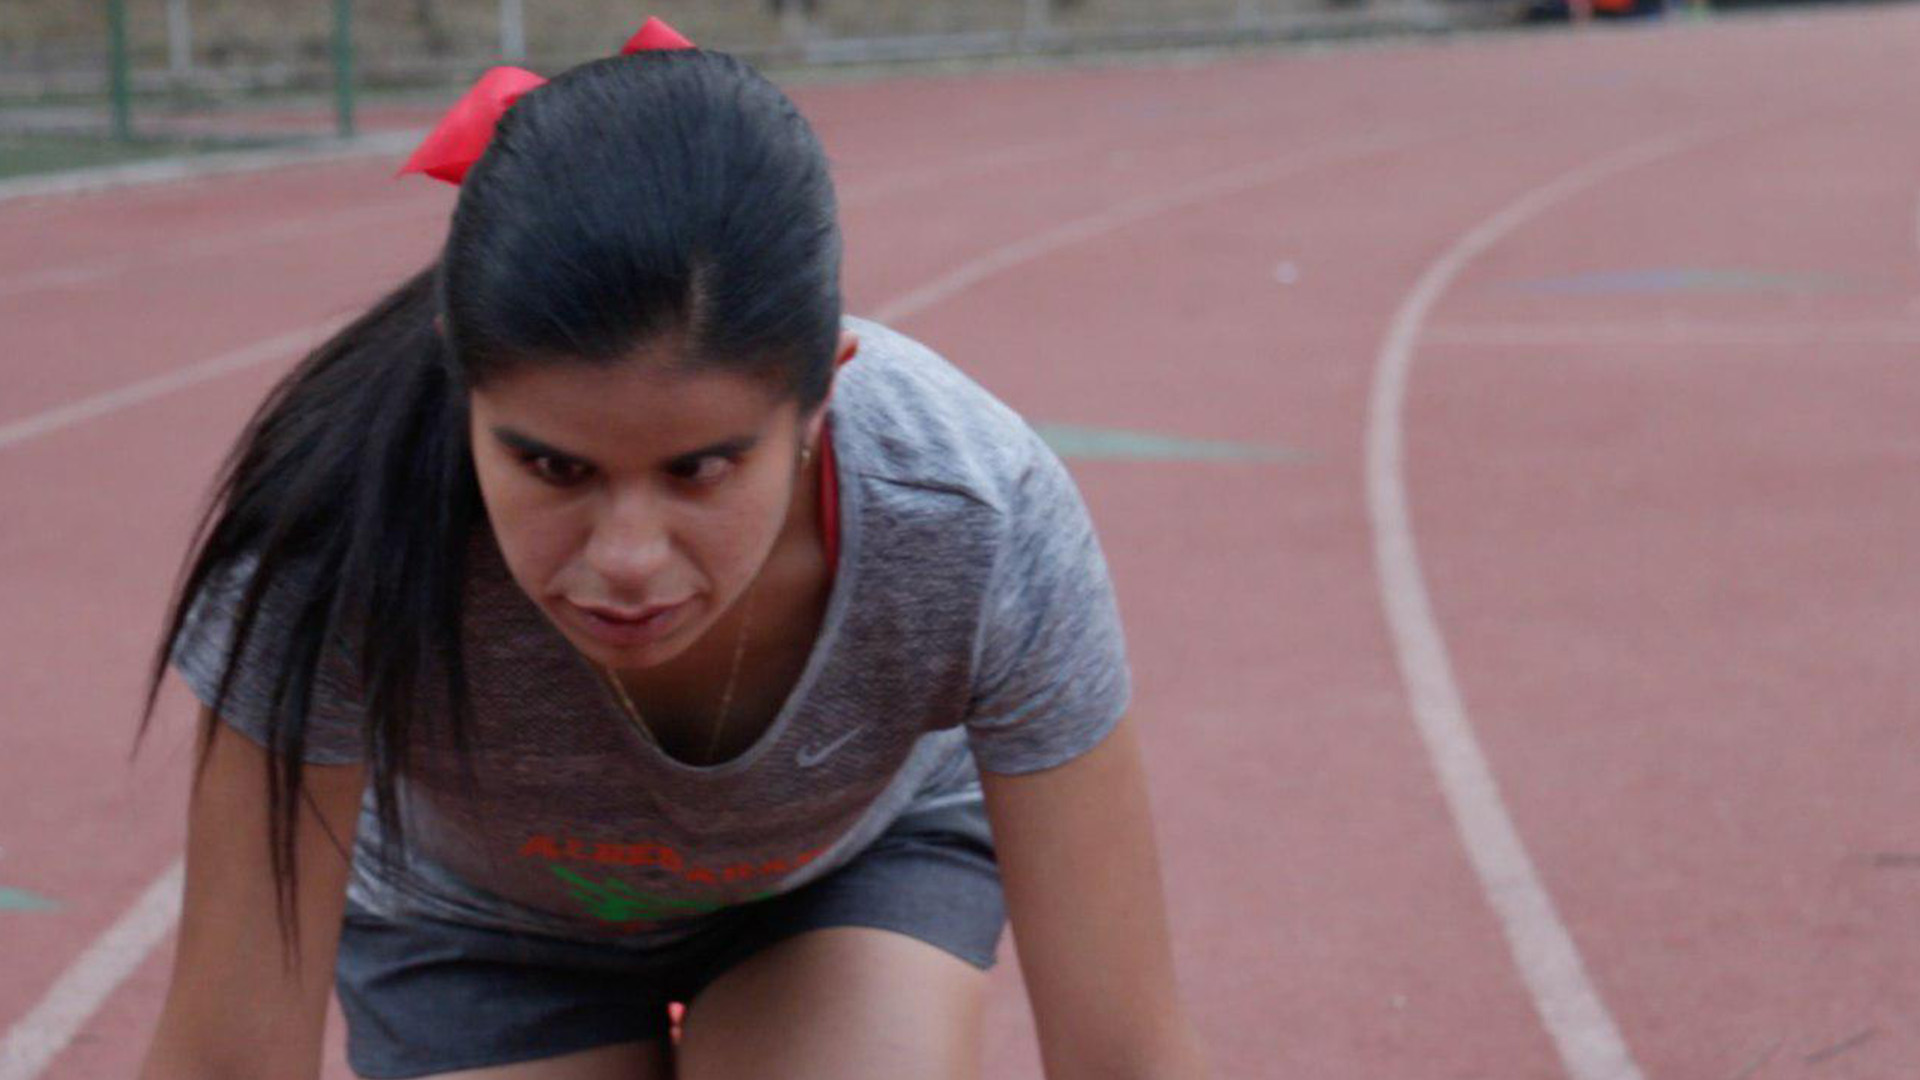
(673, 193)
(341, 494)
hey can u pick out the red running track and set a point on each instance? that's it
(1655, 294)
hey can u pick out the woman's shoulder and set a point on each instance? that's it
(906, 414)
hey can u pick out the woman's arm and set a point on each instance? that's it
(1082, 879)
(233, 1009)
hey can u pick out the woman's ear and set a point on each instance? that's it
(849, 344)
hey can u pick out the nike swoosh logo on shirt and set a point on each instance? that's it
(809, 757)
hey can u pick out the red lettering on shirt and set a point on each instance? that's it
(654, 855)
(660, 856)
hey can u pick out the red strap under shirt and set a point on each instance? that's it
(829, 499)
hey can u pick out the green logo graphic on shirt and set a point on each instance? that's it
(613, 900)
(616, 901)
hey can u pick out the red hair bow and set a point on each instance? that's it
(654, 34)
(462, 135)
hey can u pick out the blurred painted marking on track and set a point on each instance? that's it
(22, 900)
(1115, 444)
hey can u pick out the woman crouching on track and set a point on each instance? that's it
(610, 645)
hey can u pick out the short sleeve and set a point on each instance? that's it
(199, 653)
(1051, 675)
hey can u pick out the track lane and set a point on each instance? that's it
(1692, 663)
(1365, 989)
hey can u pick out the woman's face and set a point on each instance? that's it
(614, 490)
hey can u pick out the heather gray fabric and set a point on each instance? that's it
(423, 997)
(971, 625)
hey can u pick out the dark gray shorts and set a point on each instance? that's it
(423, 996)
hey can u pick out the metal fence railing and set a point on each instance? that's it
(54, 51)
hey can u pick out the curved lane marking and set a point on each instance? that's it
(33, 1041)
(1584, 1033)
(1231, 182)
(39, 1036)
(1675, 333)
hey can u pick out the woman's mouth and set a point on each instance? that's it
(614, 628)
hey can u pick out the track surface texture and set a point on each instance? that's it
(1533, 698)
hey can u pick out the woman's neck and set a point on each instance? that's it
(785, 599)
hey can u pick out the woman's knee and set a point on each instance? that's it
(846, 1002)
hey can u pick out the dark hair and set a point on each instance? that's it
(669, 195)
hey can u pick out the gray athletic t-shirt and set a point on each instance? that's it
(971, 625)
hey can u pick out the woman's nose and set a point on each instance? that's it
(630, 543)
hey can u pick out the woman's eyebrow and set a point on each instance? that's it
(527, 444)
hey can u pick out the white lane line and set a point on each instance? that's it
(982, 164)
(292, 343)
(168, 170)
(1233, 181)
(940, 289)
(1673, 333)
(38, 1037)
(66, 1010)
(1583, 1032)
(93, 270)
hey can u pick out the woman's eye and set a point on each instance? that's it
(556, 471)
(696, 474)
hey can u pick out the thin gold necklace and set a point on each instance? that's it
(726, 696)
